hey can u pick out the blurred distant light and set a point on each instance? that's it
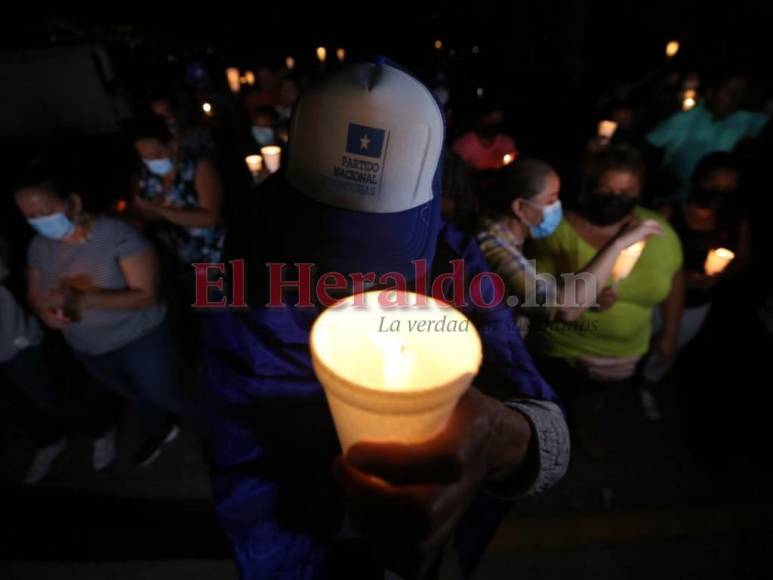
(341, 54)
(322, 54)
(688, 103)
(121, 206)
(207, 108)
(508, 159)
(232, 74)
(606, 128)
(479, 91)
(290, 63)
(438, 44)
(249, 76)
(475, 49)
(690, 94)
(672, 48)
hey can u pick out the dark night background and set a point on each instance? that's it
(553, 65)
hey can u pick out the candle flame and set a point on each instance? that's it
(290, 63)
(396, 366)
(341, 54)
(672, 48)
(508, 159)
(322, 54)
(438, 44)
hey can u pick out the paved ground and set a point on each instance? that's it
(648, 511)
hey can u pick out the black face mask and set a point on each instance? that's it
(604, 209)
(489, 131)
(708, 198)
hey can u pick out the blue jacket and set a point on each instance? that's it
(274, 441)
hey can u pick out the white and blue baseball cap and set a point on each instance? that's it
(364, 168)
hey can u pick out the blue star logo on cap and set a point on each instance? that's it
(365, 141)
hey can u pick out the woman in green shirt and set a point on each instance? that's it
(602, 348)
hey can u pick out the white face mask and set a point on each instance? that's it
(159, 166)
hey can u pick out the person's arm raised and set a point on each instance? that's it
(589, 282)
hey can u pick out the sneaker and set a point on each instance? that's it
(151, 449)
(104, 450)
(649, 405)
(43, 460)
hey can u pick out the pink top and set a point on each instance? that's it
(474, 154)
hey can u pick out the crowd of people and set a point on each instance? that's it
(118, 287)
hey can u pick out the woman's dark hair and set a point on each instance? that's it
(56, 180)
(150, 126)
(266, 110)
(524, 179)
(615, 158)
(713, 162)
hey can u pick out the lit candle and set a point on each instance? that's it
(393, 373)
(341, 54)
(607, 129)
(438, 44)
(207, 108)
(717, 261)
(249, 76)
(508, 158)
(290, 63)
(672, 48)
(254, 163)
(232, 74)
(688, 103)
(626, 261)
(272, 156)
(322, 54)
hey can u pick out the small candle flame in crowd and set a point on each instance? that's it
(254, 163)
(290, 63)
(233, 76)
(626, 261)
(717, 261)
(207, 108)
(607, 128)
(508, 159)
(438, 44)
(689, 102)
(672, 48)
(322, 54)
(341, 54)
(249, 76)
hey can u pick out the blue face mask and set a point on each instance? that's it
(263, 135)
(56, 226)
(551, 217)
(159, 166)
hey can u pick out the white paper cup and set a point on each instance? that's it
(349, 363)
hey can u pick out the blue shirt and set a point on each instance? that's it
(688, 136)
(274, 440)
